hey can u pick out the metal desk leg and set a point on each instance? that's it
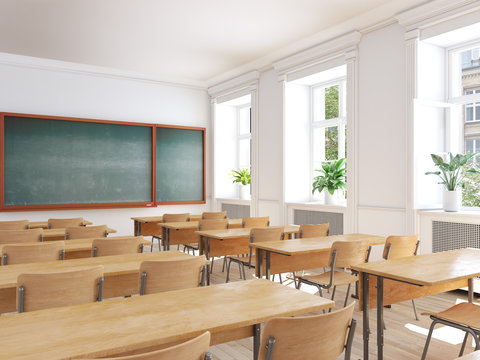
(260, 261)
(166, 240)
(380, 317)
(256, 341)
(137, 228)
(267, 265)
(207, 252)
(366, 324)
(470, 290)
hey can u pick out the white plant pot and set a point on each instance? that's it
(245, 192)
(452, 200)
(329, 198)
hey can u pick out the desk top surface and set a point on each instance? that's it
(146, 219)
(115, 326)
(61, 231)
(113, 265)
(193, 224)
(428, 269)
(241, 232)
(44, 224)
(315, 244)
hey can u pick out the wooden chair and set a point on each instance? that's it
(30, 253)
(14, 225)
(170, 218)
(117, 245)
(21, 236)
(54, 289)
(83, 232)
(401, 246)
(270, 233)
(463, 316)
(158, 275)
(315, 337)
(64, 223)
(343, 254)
(194, 349)
(250, 222)
(313, 230)
(214, 215)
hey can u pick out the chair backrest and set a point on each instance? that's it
(217, 224)
(64, 223)
(194, 349)
(21, 236)
(271, 233)
(313, 230)
(159, 275)
(82, 232)
(400, 246)
(250, 222)
(321, 337)
(349, 253)
(38, 291)
(214, 215)
(30, 253)
(14, 225)
(176, 217)
(117, 245)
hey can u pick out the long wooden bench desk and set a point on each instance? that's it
(144, 323)
(44, 224)
(388, 282)
(214, 243)
(59, 234)
(82, 248)
(300, 254)
(148, 225)
(174, 233)
(121, 273)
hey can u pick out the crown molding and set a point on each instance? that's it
(83, 69)
(238, 83)
(435, 12)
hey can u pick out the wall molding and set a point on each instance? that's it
(247, 81)
(91, 70)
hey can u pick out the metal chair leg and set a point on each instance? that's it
(224, 263)
(240, 269)
(414, 310)
(463, 344)
(211, 265)
(228, 269)
(429, 337)
(346, 297)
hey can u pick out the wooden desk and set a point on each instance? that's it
(120, 273)
(145, 323)
(148, 225)
(44, 224)
(301, 254)
(214, 243)
(185, 231)
(411, 277)
(59, 234)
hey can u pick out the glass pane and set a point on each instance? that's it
(331, 102)
(244, 153)
(331, 143)
(318, 147)
(477, 111)
(469, 113)
(244, 119)
(469, 146)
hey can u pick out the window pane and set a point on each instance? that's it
(468, 146)
(331, 102)
(331, 143)
(477, 111)
(244, 120)
(318, 147)
(244, 153)
(469, 113)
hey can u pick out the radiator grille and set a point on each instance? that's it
(320, 217)
(450, 236)
(235, 211)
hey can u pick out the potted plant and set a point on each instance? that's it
(451, 174)
(331, 179)
(244, 178)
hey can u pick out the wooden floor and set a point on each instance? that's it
(404, 337)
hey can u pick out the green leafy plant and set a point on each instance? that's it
(241, 176)
(332, 177)
(452, 170)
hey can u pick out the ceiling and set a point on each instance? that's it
(185, 41)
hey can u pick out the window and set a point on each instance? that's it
(315, 129)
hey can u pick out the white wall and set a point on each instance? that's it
(35, 90)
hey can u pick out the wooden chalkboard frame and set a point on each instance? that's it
(152, 203)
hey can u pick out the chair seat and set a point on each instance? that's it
(243, 260)
(339, 278)
(192, 246)
(466, 314)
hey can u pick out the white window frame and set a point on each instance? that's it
(245, 136)
(340, 121)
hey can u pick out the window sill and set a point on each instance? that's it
(234, 201)
(440, 213)
(341, 207)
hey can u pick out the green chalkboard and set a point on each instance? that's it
(180, 165)
(51, 161)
